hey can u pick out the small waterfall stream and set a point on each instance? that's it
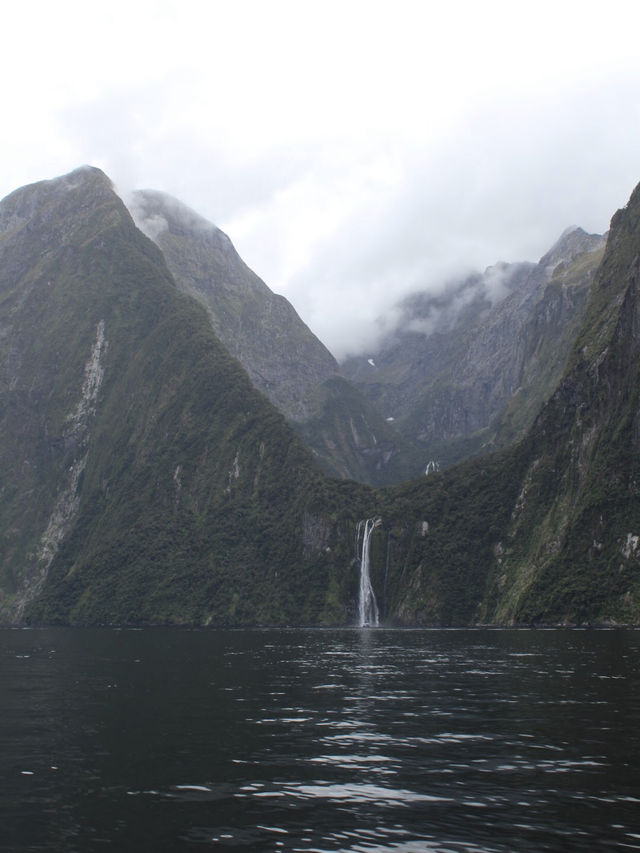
(367, 604)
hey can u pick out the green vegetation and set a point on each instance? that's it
(146, 481)
(284, 359)
(349, 438)
(549, 340)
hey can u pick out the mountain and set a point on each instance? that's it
(547, 531)
(463, 373)
(284, 359)
(145, 480)
(468, 370)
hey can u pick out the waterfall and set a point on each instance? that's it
(367, 605)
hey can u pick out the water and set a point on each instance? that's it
(355, 740)
(367, 604)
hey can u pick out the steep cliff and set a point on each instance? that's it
(144, 479)
(490, 349)
(549, 530)
(571, 548)
(284, 359)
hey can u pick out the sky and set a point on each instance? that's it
(354, 152)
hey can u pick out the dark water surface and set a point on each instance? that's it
(302, 740)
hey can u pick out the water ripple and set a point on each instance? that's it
(383, 741)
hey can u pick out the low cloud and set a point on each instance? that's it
(152, 226)
(500, 188)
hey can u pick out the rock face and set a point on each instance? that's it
(463, 373)
(566, 550)
(449, 372)
(51, 372)
(284, 359)
(545, 531)
(145, 480)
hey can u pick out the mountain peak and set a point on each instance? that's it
(145, 481)
(572, 242)
(53, 210)
(283, 358)
(29, 199)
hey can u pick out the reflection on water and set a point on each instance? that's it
(352, 740)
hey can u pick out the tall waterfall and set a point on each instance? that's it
(367, 605)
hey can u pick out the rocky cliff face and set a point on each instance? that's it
(144, 479)
(571, 545)
(453, 366)
(284, 359)
(350, 439)
(548, 530)
(51, 369)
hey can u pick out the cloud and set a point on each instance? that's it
(500, 185)
(152, 226)
(354, 155)
(345, 224)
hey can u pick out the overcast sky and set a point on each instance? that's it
(353, 151)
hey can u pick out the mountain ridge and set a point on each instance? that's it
(562, 505)
(205, 263)
(150, 493)
(483, 392)
(282, 356)
(146, 481)
(450, 372)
